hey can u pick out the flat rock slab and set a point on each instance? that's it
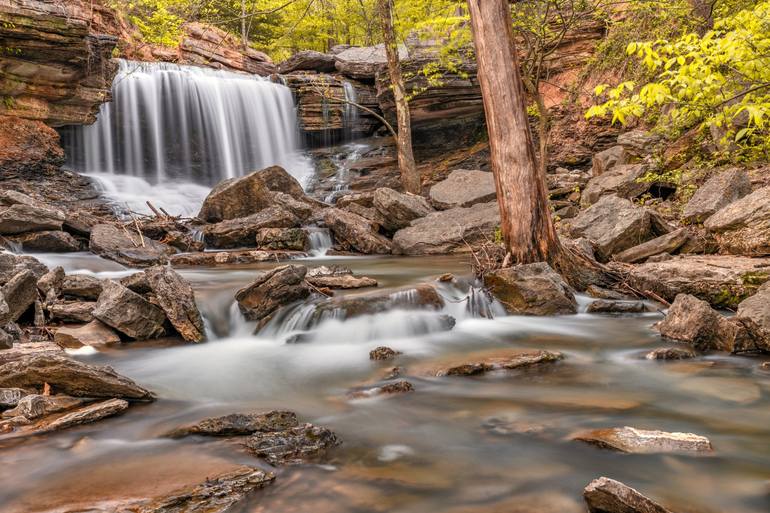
(342, 282)
(616, 307)
(70, 377)
(642, 441)
(605, 495)
(126, 247)
(95, 333)
(481, 363)
(463, 188)
(301, 444)
(239, 424)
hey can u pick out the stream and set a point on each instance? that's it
(455, 444)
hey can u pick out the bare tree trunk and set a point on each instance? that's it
(244, 32)
(525, 218)
(410, 177)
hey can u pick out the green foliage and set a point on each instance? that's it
(159, 21)
(719, 81)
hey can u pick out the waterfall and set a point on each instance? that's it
(320, 241)
(171, 124)
(351, 111)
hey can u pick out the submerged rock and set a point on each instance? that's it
(605, 495)
(511, 361)
(463, 188)
(128, 312)
(383, 353)
(531, 289)
(397, 387)
(175, 296)
(70, 377)
(345, 281)
(670, 353)
(300, 444)
(239, 424)
(621, 307)
(265, 295)
(95, 333)
(718, 192)
(642, 441)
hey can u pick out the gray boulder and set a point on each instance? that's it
(356, 233)
(718, 192)
(667, 243)
(175, 296)
(463, 188)
(623, 181)
(19, 293)
(242, 232)
(693, 321)
(81, 286)
(128, 312)
(362, 63)
(531, 289)
(127, 247)
(11, 265)
(448, 231)
(398, 209)
(20, 218)
(743, 226)
(607, 159)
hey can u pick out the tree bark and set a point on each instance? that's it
(244, 32)
(525, 217)
(410, 177)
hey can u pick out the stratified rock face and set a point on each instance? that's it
(691, 320)
(531, 289)
(294, 239)
(70, 377)
(605, 495)
(354, 232)
(175, 296)
(398, 209)
(95, 333)
(743, 226)
(362, 62)
(623, 181)
(28, 148)
(128, 312)
(463, 188)
(242, 232)
(206, 45)
(308, 60)
(241, 197)
(644, 441)
(612, 224)
(279, 287)
(448, 231)
(718, 192)
(57, 67)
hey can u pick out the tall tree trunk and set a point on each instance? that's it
(244, 32)
(410, 177)
(525, 218)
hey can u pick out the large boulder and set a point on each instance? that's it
(11, 265)
(399, 209)
(300, 444)
(744, 226)
(265, 295)
(19, 293)
(718, 192)
(531, 289)
(242, 232)
(308, 60)
(354, 232)
(128, 312)
(362, 63)
(69, 376)
(723, 281)
(241, 197)
(693, 321)
(21, 218)
(607, 159)
(293, 239)
(448, 231)
(127, 247)
(757, 307)
(175, 296)
(613, 225)
(47, 242)
(605, 495)
(463, 188)
(667, 243)
(623, 181)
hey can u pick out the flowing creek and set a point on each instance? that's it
(455, 444)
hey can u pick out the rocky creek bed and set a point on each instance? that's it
(510, 413)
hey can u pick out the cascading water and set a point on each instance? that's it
(173, 131)
(351, 111)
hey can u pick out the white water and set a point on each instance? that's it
(173, 131)
(320, 242)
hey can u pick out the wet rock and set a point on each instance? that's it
(85, 415)
(280, 287)
(47, 242)
(641, 441)
(308, 60)
(10, 397)
(21, 218)
(608, 159)
(613, 224)
(747, 336)
(448, 231)
(81, 286)
(670, 353)
(70, 377)
(217, 494)
(531, 289)
(397, 387)
(301, 444)
(242, 197)
(240, 424)
(20, 292)
(722, 280)
(463, 188)
(72, 311)
(226, 258)
(95, 333)
(356, 233)
(718, 192)
(515, 360)
(399, 209)
(128, 312)
(605, 495)
(421, 297)
(621, 307)
(34, 406)
(242, 232)
(50, 284)
(757, 307)
(175, 296)
(383, 353)
(342, 282)
(667, 243)
(126, 247)
(622, 181)
(743, 227)
(295, 239)
(693, 321)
